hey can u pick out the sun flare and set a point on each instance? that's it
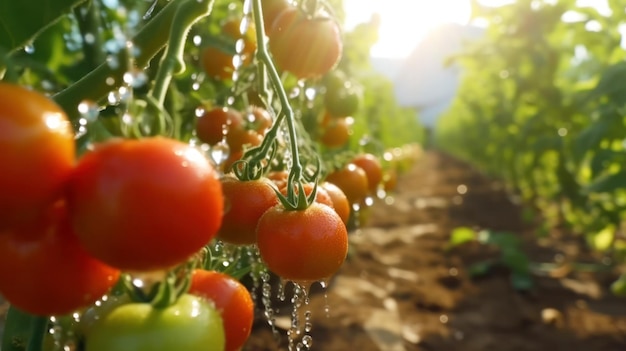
(405, 22)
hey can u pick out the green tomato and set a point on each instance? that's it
(191, 324)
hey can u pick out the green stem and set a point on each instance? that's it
(148, 42)
(38, 331)
(187, 14)
(17, 330)
(295, 174)
(88, 20)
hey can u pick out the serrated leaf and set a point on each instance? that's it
(22, 20)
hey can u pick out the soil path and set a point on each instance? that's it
(402, 289)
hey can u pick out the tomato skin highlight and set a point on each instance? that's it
(304, 245)
(37, 151)
(245, 202)
(232, 300)
(145, 204)
(308, 47)
(191, 324)
(46, 271)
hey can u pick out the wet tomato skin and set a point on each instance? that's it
(302, 245)
(352, 180)
(190, 324)
(231, 299)
(145, 204)
(44, 270)
(340, 202)
(373, 169)
(245, 202)
(37, 153)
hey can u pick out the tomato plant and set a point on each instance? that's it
(231, 299)
(37, 144)
(241, 217)
(157, 196)
(303, 245)
(46, 271)
(307, 46)
(192, 323)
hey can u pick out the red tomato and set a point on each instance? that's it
(213, 123)
(339, 200)
(352, 180)
(232, 300)
(45, 270)
(239, 139)
(271, 10)
(145, 204)
(308, 47)
(373, 169)
(261, 119)
(245, 202)
(36, 150)
(216, 63)
(303, 246)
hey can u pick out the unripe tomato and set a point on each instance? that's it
(308, 47)
(36, 150)
(303, 245)
(232, 300)
(46, 271)
(245, 202)
(145, 204)
(352, 180)
(191, 324)
(342, 102)
(373, 169)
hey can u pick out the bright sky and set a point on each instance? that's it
(404, 23)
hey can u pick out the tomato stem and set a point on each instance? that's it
(39, 326)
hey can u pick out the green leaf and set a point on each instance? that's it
(603, 239)
(516, 260)
(608, 183)
(480, 269)
(462, 235)
(618, 287)
(503, 240)
(22, 20)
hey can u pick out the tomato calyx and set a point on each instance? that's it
(161, 288)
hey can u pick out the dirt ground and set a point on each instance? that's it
(402, 289)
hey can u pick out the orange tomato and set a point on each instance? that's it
(372, 167)
(352, 180)
(339, 200)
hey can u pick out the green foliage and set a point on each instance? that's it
(541, 105)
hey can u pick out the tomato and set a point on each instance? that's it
(36, 150)
(390, 180)
(342, 102)
(305, 245)
(271, 10)
(245, 202)
(233, 157)
(279, 178)
(232, 300)
(308, 47)
(44, 270)
(216, 63)
(352, 180)
(321, 196)
(373, 169)
(335, 132)
(145, 204)
(215, 122)
(239, 139)
(339, 200)
(191, 324)
(261, 120)
(232, 29)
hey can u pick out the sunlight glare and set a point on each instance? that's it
(404, 23)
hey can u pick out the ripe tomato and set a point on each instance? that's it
(216, 63)
(232, 29)
(308, 47)
(304, 246)
(279, 178)
(261, 119)
(37, 153)
(213, 123)
(390, 180)
(271, 10)
(245, 202)
(335, 132)
(191, 324)
(145, 204)
(372, 167)
(45, 270)
(239, 139)
(339, 200)
(232, 300)
(352, 180)
(321, 196)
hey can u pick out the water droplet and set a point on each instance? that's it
(89, 110)
(29, 48)
(89, 38)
